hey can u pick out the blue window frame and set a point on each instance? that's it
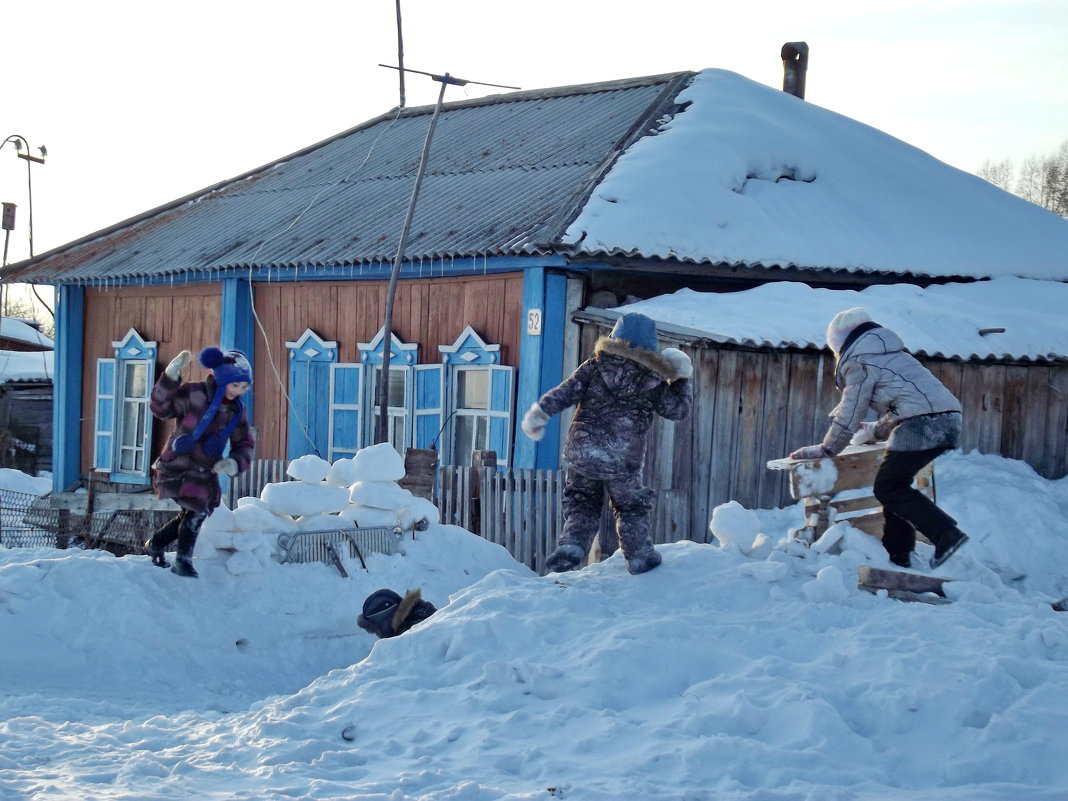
(480, 399)
(122, 441)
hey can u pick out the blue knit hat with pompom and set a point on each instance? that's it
(227, 368)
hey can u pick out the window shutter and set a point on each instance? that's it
(429, 401)
(500, 403)
(104, 435)
(310, 359)
(346, 390)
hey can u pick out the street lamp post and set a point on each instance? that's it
(19, 142)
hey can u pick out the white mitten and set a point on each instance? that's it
(226, 467)
(679, 361)
(534, 421)
(178, 363)
(865, 434)
(810, 452)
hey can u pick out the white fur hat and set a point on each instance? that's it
(842, 324)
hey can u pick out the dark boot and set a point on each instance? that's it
(566, 557)
(183, 566)
(901, 559)
(947, 545)
(643, 563)
(156, 553)
(187, 540)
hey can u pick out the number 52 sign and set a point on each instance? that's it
(534, 322)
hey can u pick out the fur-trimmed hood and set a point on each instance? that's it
(643, 356)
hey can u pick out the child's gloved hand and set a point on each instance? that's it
(810, 452)
(865, 435)
(226, 467)
(178, 363)
(534, 421)
(679, 361)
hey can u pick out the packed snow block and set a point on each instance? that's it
(324, 522)
(300, 499)
(828, 587)
(256, 517)
(309, 468)
(813, 478)
(733, 524)
(243, 563)
(369, 517)
(380, 494)
(342, 473)
(222, 519)
(379, 463)
(419, 509)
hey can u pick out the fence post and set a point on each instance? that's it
(420, 470)
(479, 460)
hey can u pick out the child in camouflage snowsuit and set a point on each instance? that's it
(209, 415)
(618, 391)
(921, 419)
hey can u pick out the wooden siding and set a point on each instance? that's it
(177, 318)
(429, 312)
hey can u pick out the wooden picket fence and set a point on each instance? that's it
(517, 509)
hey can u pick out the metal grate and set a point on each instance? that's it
(327, 546)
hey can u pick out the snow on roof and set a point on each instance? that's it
(941, 320)
(20, 331)
(27, 365)
(750, 175)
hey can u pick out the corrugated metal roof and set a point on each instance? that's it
(504, 177)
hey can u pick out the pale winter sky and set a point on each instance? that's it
(141, 103)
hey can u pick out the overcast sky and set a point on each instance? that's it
(141, 103)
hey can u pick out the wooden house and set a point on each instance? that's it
(524, 219)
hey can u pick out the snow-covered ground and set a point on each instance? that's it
(743, 669)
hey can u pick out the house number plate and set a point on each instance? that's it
(534, 322)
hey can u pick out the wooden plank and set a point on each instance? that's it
(772, 489)
(875, 578)
(749, 462)
(1057, 423)
(702, 432)
(725, 429)
(1017, 410)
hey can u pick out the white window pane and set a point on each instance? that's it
(136, 384)
(472, 391)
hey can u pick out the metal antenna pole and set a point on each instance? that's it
(400, 53)
(391, 293)
(382, 430)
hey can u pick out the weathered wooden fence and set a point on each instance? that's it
(521, 511)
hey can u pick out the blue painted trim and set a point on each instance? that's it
(67, 387)
(552, 363)
(541, 359)
(238, 329)
(458, 266)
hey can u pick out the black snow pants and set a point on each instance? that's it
(905, 508)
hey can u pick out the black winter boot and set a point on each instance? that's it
(187, 540)
(156, 553)
(183, 566)
(947, 545)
